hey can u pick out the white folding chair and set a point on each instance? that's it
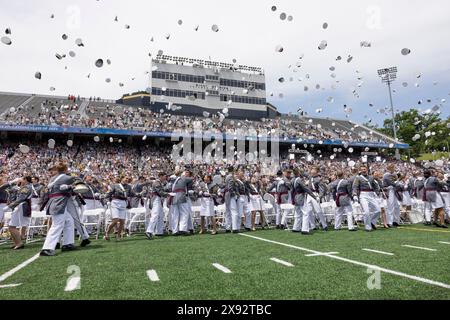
(417, 211)
(269, 213)
(287, 210)
(97, 215)
(220, 215)
(196, 215)
(328, 210)
(5, 239)
(37, 225)
(136, 216)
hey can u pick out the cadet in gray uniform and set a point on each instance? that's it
(364, 191)
(314, 183)
(156, 195)
(232, 218)
(283, 189)
(59, 203)
(390, 187)
(341, 191)
(21, 211)
(179, 204)
(118, 196)
(243, 199)
(303, 207)
(432, 197)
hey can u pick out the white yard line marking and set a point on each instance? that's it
(152, 275)
(320, 254)
(378, 251)
(444, 242)
(8, 274)
(421, 248)
(221, 268)
(373, 267)
(285, 263)
(12, 285)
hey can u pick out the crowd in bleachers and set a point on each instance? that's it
(53, 112)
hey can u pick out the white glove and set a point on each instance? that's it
(97, 195)
(201, 193)
(16, 180)
(64, 187)
(191, 192)
(172, 194)
(355, 198)
(206, 194)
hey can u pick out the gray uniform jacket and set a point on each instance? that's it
(364, 184)
(56, 199)
(341, 189)
(23, 197)
(284, 186)
(300, 192)
(180, 187)
(431, 187)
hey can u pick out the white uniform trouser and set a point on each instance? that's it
(339, 213)
(190, 222)
(180, 216)
(371, 209)
(393, 208)
(244, 211)
(35, 204)
(317, 209)
(227, 215)
(236, 213)
(446, 197)
(278, 214)
(302, 215)
(60, 223)
(428, 211)
(156, 225)
(2, 213)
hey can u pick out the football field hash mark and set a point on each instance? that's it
(285, 263)
(12, 285)
(444, 242)
(366, 265)
(420, 248)
(221, 268)
(378, 251)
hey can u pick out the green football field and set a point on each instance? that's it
(412, 262)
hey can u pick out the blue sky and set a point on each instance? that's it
(249, 31)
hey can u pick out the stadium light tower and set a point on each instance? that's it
(388, 75)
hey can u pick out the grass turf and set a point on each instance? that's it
(111, 270)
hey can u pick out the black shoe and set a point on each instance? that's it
(191, 231)
(353, 230)
(248, 229)
(22, 246)
(427, 223)
(69, 247)
(282, 227)
(374, 227)
(235, 231)
(296, 231)
(227, 231)
(436, 224)
(149, 236)
(58, 246)
(278, 227)
(368, 230)
(85, 242)
(443, 226)
(306, 233)
(47, 253)
(395, 224)
(325, 229)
